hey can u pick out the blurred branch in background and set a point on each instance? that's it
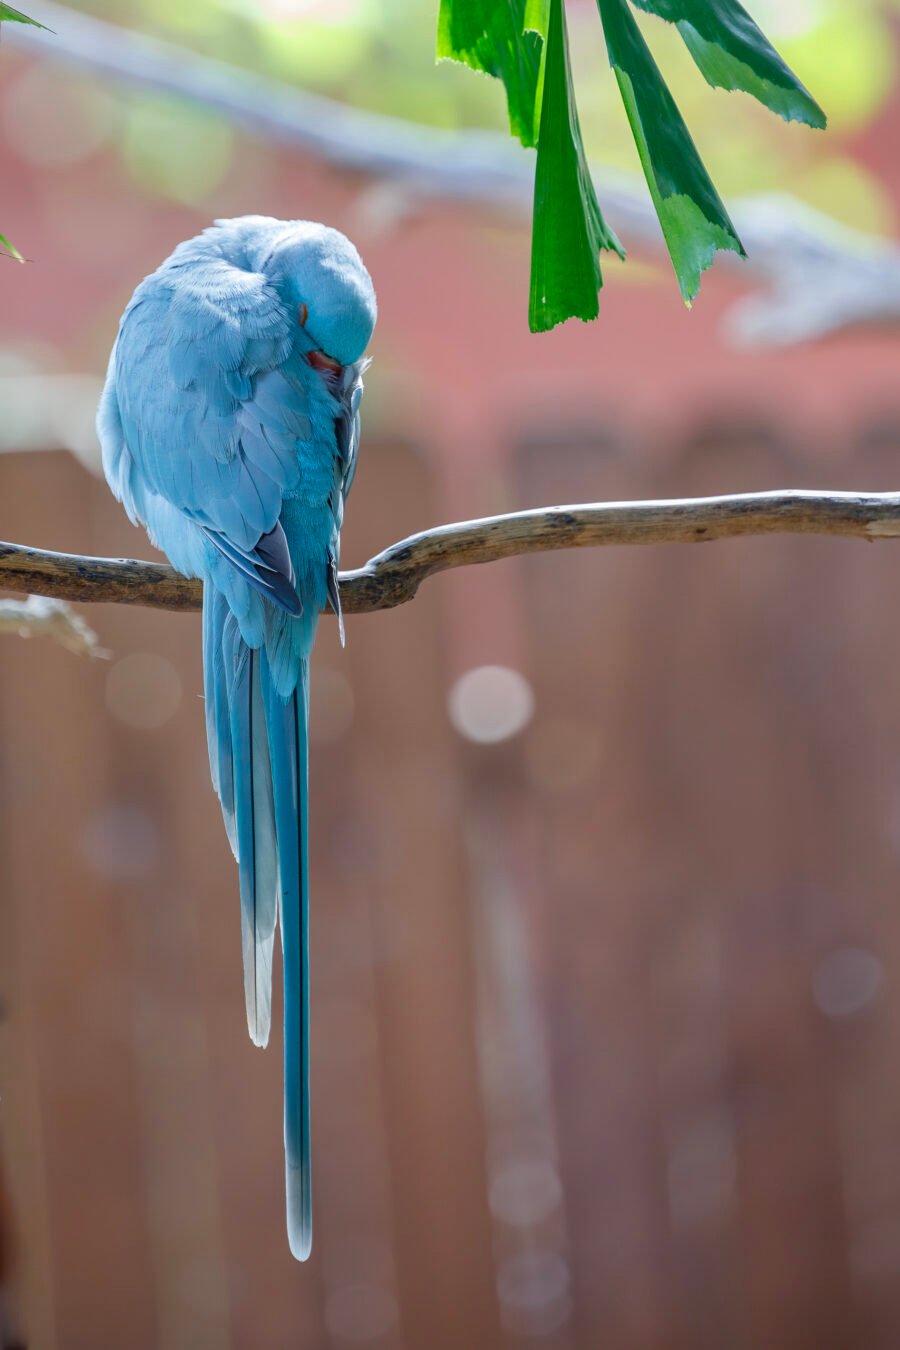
(41, 616)
(817, 276)
(394, 576)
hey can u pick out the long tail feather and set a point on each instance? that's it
(287, 723)
(218, 718)
(258, 760)
(239, 762)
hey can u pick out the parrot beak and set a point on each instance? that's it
(326, 364)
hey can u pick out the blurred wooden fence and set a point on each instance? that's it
(606, 1016)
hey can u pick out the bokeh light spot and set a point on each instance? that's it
(490, 704)
(533, 1288)
(175, 150)
(788, 18)
(143, 690)
(846, 982)
(525, 1192)
(52, 120)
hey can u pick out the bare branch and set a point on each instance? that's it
(39, 616)
(394, 576)
(67, 576)
(817, 275)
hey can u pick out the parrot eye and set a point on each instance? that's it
(302, 315)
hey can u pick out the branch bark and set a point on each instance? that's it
(394, 576)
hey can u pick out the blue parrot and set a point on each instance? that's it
(229, 425)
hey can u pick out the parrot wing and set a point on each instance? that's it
(212, 396)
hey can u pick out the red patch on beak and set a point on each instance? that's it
(327, 364)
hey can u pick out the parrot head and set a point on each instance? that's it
(322, 279)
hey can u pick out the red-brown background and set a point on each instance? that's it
(606, 1017)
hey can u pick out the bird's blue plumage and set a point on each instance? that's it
(230, 428)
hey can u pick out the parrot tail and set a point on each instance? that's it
(258, 761)
(288, 722)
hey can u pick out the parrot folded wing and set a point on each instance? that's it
(212, 401)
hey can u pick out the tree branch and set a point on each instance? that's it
(818, 276)
(394, 576)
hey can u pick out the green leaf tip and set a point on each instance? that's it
(10, 15)
(568, 230)
(10, 249)
(732, 52)
(694, 221)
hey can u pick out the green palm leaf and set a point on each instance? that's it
(731, 52)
